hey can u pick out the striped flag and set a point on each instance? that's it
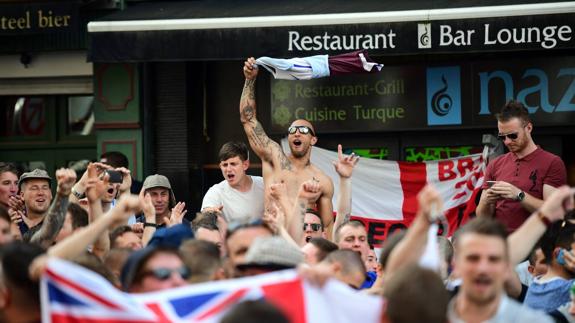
(385, 192)
(72, 294)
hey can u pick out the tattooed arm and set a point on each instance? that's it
(267, 149)
(344, 168)
(57, 213)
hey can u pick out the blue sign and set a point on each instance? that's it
(444, 96)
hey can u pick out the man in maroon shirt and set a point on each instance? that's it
(516, 183)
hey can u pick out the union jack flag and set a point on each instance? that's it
(73, 294)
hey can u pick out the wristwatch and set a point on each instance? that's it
(520, 196)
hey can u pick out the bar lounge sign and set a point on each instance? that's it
(35, 18)
(539, 32)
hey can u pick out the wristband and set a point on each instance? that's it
(543, 218)
(150, 224)
(77, 194)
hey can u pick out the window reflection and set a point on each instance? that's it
(22, 116)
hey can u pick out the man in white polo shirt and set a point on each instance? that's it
(239, 197)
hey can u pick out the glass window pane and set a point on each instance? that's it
(22, 116)
(80, 115)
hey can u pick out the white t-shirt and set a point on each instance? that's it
(238, 206)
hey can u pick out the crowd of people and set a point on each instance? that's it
(512, 262)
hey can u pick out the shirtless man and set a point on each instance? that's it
(293, 169)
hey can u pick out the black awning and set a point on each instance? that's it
(218, 30)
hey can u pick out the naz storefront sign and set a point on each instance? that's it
(419, 97)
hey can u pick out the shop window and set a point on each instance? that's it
(23, 116)
(80, 112)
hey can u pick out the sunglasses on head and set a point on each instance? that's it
(165, 273)
(304, 130)
(511, 136)
(314, 226)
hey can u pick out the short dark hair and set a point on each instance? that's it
(232, 149)
(255, 312)
(559, 235)
(349, 260)
(207, 221)
(316, 213)
(485, 226)
(388, 246)
(116, 159)
(513, 109)
(351, 223)
(8, 167)
(324, 247)
(415, 294)
(118, 232)
(202, 258)
(79, 216)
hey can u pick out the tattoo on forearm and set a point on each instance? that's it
(52, 222)
(302, 209)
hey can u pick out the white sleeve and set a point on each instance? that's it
(212, 197)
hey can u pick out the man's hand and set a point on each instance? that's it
(274, 218)
(16, 203)
(505, 190)
(177, 215)
(558, 203)
(310, 191)
(345, 164)
(94, 186)
(147, 207)
(430, 203)
(126, 180)
(490, 196)
(250, 69)
(98, 168)
(278, 191)
(66, 179)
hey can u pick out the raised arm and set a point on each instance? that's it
(526, 236)
(78, 242)
(267, 149)
(344, 167)
(412, 246)
(57, 213)
(95, 188)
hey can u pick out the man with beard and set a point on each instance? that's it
(296, 167)
(516, 183)
(482, 261)
(239, 197)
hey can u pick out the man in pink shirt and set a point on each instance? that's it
(516, 183)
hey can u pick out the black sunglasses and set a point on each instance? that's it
(511, 136)
(304, 130)
(315, 227)
(165, 273)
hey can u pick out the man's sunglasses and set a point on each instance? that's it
(511, 136)
(315, 227)
(165, 273)
(304, 130)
